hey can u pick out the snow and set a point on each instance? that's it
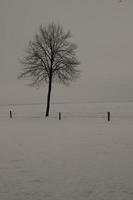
(80, 157)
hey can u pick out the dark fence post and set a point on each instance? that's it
(59, 115)
(108, 114)
(10, 114)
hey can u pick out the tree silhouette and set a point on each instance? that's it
(50, 57)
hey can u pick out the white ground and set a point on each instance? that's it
(77, 158)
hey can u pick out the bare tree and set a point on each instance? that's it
(50, 57)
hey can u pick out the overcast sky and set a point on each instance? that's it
(103, 31)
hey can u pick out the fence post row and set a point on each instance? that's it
(108, 115)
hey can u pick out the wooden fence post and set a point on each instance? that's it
(10, 114)
(59, 115)
(108, 115)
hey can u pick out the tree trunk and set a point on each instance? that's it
(48, 97)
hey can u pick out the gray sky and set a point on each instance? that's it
(103, 31)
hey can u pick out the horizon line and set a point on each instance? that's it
(65, 102)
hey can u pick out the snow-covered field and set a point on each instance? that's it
(81, 157)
